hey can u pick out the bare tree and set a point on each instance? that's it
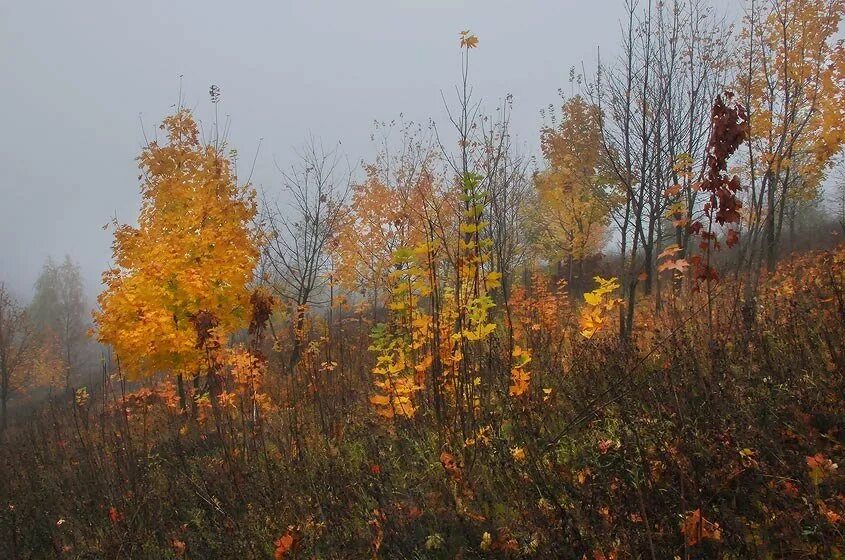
(508, 181)
(654, 101)
(297, 251)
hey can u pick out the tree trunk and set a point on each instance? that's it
(3, 414)
(183, 401)
(296, 352)
(4, 394)
(771, 250)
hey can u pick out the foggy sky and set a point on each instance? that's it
(80, 78)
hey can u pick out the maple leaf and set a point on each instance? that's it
(592, 298)
(468, 40)
(679, 265)
(520, 380)
(832, 516)
(790, 489)
(450, 464)
(605, 445)
(669, 251)
(115, 516)
(583, 475)
(486, 541)
(595, 314)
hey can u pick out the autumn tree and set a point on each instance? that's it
(385, 212)
(17, 341)
(185, 269)
(58, 310)
(571, 215)
(790, 76)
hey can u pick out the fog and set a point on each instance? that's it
(84, 81)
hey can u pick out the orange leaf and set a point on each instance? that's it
(114, 515)
(820, 468)
(669, 251)
(681, 265)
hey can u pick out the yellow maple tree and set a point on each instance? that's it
(184, 270)
(571, 216)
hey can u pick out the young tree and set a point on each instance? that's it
(384, 213)
(509, 191)
(654, 103)
(186, 268)
(791, 79)
(298, 249)
(572, 211)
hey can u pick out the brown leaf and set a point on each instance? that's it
(696, 529)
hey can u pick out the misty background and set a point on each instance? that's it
(84, 81)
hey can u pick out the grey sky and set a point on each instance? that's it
(77, 75)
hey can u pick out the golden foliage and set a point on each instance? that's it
(193, 252)
(520, 377)
(796, 86)
(599, 304)
(571, 214)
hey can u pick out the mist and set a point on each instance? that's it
(87, 84)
